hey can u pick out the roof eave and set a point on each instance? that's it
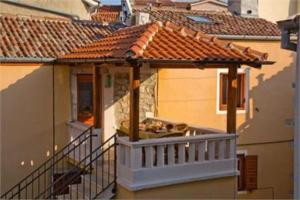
(26, 60)
(247, 37)
(205, 63)
(88, 60)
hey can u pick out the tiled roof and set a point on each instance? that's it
(154, 2)
(107, 14)
(33, 37)
(158, 41)
(174, 4)
(223, 23)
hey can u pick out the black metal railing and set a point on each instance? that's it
(46, 173)
(97, 172)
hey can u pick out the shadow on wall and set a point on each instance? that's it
(26, 120)
(270, 111)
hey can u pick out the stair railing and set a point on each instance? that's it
(90, 164)
(43, 176)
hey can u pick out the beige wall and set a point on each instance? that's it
(275, 163)
(278, 9)
(191, 96)
(215, 188)
(74, 7)
(209, 6)
(26, 117)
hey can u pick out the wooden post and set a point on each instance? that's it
(97, 97)
(134, 103)
(232, 99)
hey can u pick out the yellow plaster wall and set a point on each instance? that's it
(275, 163)
(26, 117)
(191, 96)
(74, 7)
(215, 188)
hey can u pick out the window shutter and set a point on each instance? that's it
(251, 172)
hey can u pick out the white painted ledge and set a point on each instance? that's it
(151, 178)
(151, 163)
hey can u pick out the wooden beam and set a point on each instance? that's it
(97, 91)
(134, 103)
(232, 99)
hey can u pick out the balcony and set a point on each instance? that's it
(200, 155)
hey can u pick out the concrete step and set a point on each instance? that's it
(81, 191)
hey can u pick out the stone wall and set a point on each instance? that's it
(121, 95)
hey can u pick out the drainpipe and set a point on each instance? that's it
(297, 127)
(289, 26)
(40, 8)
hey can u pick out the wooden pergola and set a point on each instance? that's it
(165, 45)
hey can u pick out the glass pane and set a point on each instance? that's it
(199, 19)
(85, 97)
(224, 88)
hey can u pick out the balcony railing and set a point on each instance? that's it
(157, 162)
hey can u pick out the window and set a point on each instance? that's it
(85, 98)
(241, 91)
(199, 19)
(247, 165)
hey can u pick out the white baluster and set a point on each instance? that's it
(192, 152)
(201, 151)
(211, 150)
(222, 149)
(149, 156)
(232, 152)
(127, 156)
(121, 154)
(181, 153)
(171, 154)
(136, 158)
(160, 156)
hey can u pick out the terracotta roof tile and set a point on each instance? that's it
(23, 36)
(222, 23)
(107, 14)
(158, 41)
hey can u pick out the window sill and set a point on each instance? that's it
(242, 192)
(224, 112)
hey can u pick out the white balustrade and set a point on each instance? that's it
(164, 161)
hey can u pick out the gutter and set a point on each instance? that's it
(40, 8)
(26, 60)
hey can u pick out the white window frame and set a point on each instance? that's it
(245, 71)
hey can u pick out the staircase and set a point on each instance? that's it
(78, 171)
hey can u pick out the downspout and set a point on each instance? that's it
(297, 125)
(40, 8)
(53, 127)
(289, 26)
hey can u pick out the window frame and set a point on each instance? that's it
(221, 109)
(78, 77)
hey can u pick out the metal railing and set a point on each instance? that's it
(97, 171)
(66, 168)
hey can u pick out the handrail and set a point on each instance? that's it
(31, 176)
(82, 170)
(175, 140)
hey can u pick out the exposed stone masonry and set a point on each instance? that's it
(121, 95)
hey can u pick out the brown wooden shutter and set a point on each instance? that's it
(251, 172)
